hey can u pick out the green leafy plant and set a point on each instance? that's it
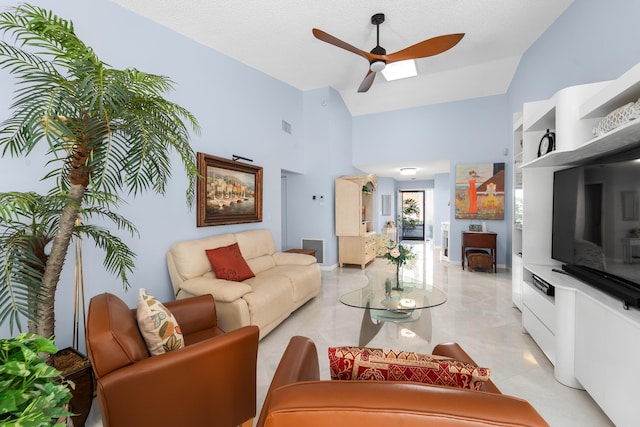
(32, 393)
(29, 221)
(397, 253)
(106, 130)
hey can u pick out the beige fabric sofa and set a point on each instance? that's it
(283, 282)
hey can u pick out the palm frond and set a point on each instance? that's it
(119, 259)
(20, 279)
(51, 35)
(28, 222)
(106, 130)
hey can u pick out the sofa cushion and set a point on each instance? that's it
(222, 290)
(355, 363)
(256, 243)
(228, 263)
(305, 280)
(270, 300)
(289, 258)
(261, 264)
(158, 326)
(190, 259)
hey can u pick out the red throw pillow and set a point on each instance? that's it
(228, 264)
(355, 363)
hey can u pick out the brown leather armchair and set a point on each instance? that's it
(296, 397)
(212, 381)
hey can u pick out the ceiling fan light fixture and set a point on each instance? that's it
(408, 171)
(378, 56)
(377, 66)
(400, 70)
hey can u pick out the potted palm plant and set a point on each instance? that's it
(29, 222)
(107, 131)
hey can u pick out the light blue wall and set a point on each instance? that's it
(241, 109)
(327, 141)
(386, 186)
(471, 131)
(592, 41)
(441, 202)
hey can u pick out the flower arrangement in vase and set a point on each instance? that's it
(397, 254)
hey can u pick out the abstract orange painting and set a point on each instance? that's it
(480, 191)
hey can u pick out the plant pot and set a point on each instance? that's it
(76, 367)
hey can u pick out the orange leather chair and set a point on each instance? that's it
(296, 397)
(212, 381)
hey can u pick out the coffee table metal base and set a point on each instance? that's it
(417, 321)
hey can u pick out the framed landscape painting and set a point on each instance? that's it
(480, 191)
(228, 192)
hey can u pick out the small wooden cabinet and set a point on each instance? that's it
(355, 219)
(476, 239)
(357, 250)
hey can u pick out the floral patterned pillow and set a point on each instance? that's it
(158, 326)
(356, 363)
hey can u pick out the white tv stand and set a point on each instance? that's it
(592, 341)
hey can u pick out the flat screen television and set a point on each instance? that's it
(596, 224)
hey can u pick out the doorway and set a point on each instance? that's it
(412, 214)
(283, 211)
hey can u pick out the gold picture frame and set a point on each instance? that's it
(228, 192)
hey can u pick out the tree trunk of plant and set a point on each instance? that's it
(45, 324)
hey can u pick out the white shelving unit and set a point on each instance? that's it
(516, 235)
(578, 327)
(444, 241)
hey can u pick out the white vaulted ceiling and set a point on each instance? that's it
(274, 36)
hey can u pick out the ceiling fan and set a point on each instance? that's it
(378, 58)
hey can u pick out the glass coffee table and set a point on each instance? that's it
(383, 302)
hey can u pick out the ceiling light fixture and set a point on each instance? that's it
(377, 66)
(408, 171)
(400, 70)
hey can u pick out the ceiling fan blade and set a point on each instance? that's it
(328, 38)
(367, 81)
(426, 48)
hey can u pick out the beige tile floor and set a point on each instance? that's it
(478, 314)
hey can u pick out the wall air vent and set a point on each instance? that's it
(316, 245)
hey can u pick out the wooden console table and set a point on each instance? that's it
(311, 252)
(484, 240)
